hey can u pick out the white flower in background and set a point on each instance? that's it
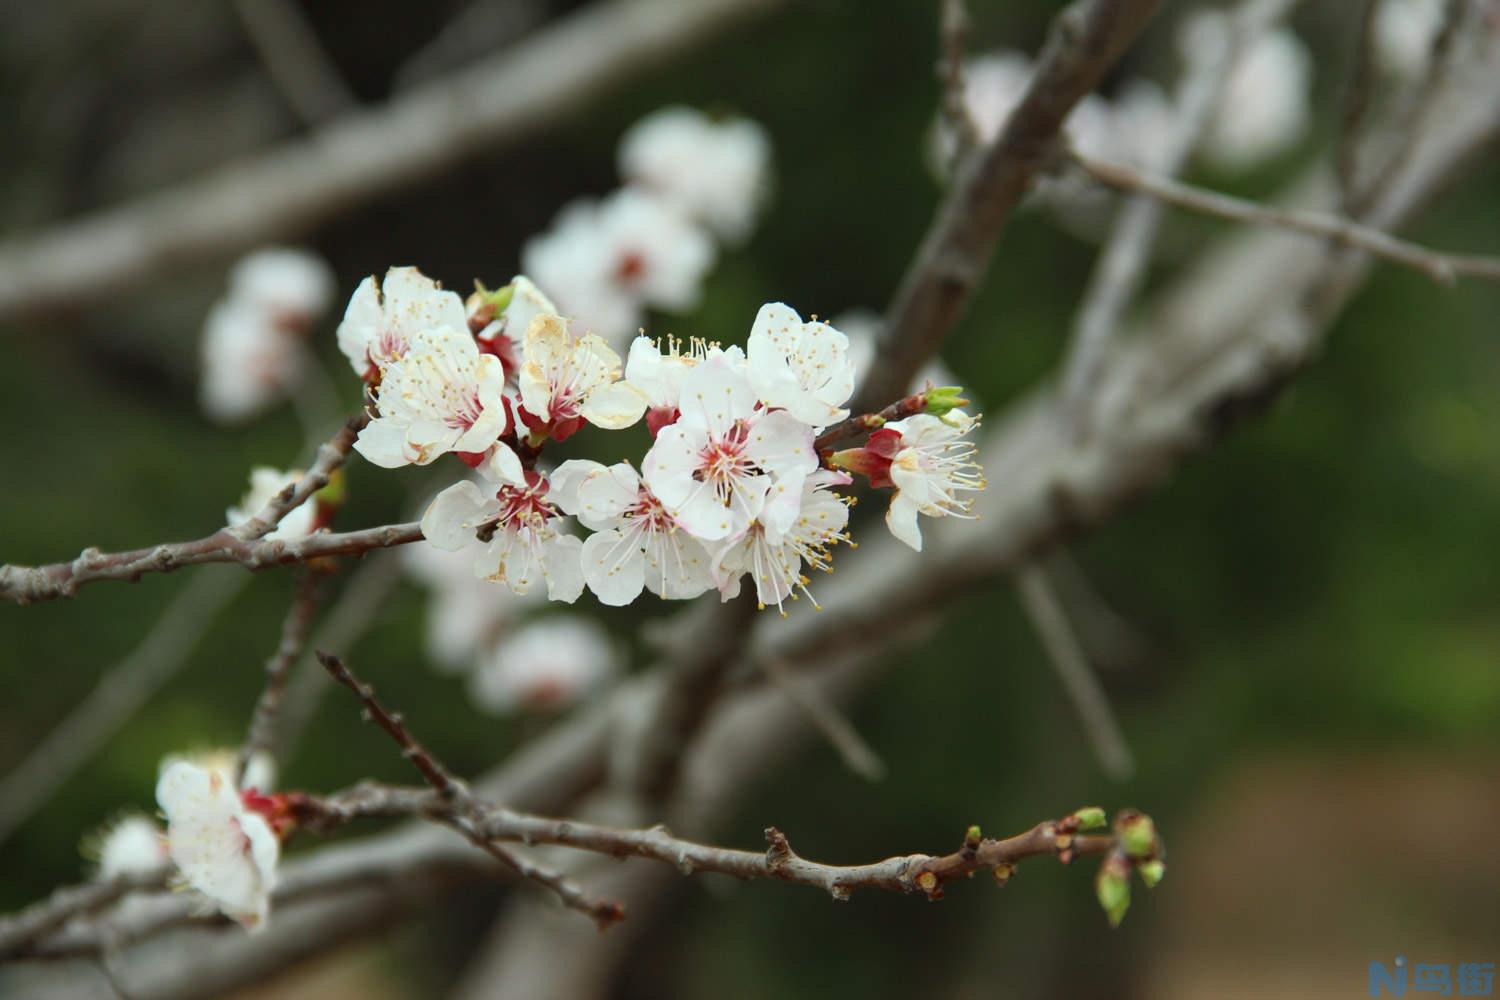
(265, 483)
(132, 845)
(522, 539)
(930, 466)
(1141, 120)
(547, 665)
(294, 286)
(775, 559)
(1265, 107)
(441, 395)
(1404, 33)
(658, 376)
(715, 171)
(567, 380)
(605, 261)
(223, 850)
(803, 368)
(726, 463)
(249, 364)
(993, 85)
(383, 318)
(636, 543)
(465, 615)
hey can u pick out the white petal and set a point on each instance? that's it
(614, 569)
(562, 561)
(901, 518)
(614, 406)
(563, 482)
(782, 445)
(383, 443)
(454, 515)
(605, 495)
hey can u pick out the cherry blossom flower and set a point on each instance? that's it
(605, 261)
(441, 395)
(636, 542)
(803, 368)
(714, 171)
(132, 845)
(249, 363)
(518, 525)
(265, 483)
(658, 376)
(222, 849)
(547, 665)
(727, 462)
(294, 287)
(774, 559)
(383, 318)
(465, 615)
(930, 466)
(567, 380)
(1404, 33)
(1265, 107)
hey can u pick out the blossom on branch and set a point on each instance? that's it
(931, 466)
(518, 526)
(774, 558)
(566, 380)
(132, 845)
(221, 848)
(715, 171)
(636, 542)
(440, 395)
(658, 376)
(803, 368)
(383, 318)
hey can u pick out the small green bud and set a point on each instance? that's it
(1151, 872)
(1090, 818)
(498, 299)
(1112, 886)
(972, 837)
(1137, 834)
(942, 398)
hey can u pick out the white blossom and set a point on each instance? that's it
(132, 845)
(521, 524)
(658, 375)
(716, 171)
(774, 559)
(293, 286)
(383, 318)
(465, 615)
(931, 467)
(726, 462)
(1265, 107)
(605, 261)
(567, 379)
(546, 665)
(265, 483)
(441, 395)
(636, 542)
(249, 363)
(1404, 33)
(223, 850)
(803, 368)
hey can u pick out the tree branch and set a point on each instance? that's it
(360, 156)
(1443, 268)
(262, 735)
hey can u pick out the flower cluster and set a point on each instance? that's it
(734, 483)
(253, 353)
(690, 180)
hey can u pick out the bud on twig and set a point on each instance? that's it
(1137, 833)
(940, 400)
(1151, 872)
(1112, 885)
(1090, 818)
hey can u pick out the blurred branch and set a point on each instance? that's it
(1085, 41)
(1443, 268)
(294, 58)
(364, 154)
(19, 929)
(119, 694)
(856, 753)
(1080, 682)
(1122, 263)
(1356, 108)
(262, 735)
(953, 34)
(482, 26)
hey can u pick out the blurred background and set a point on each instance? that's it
(1301, 628)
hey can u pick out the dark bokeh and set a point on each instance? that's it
(1317, 596)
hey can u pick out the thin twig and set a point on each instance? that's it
(115, 699)
(1357, 99)
(40, 919)
(1046, 614)
(1122, 263)
(853, 749)
(460, 805)
(261, 737)
(953, 34)
(295, 60)
(1444, 268)
(330, 457)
